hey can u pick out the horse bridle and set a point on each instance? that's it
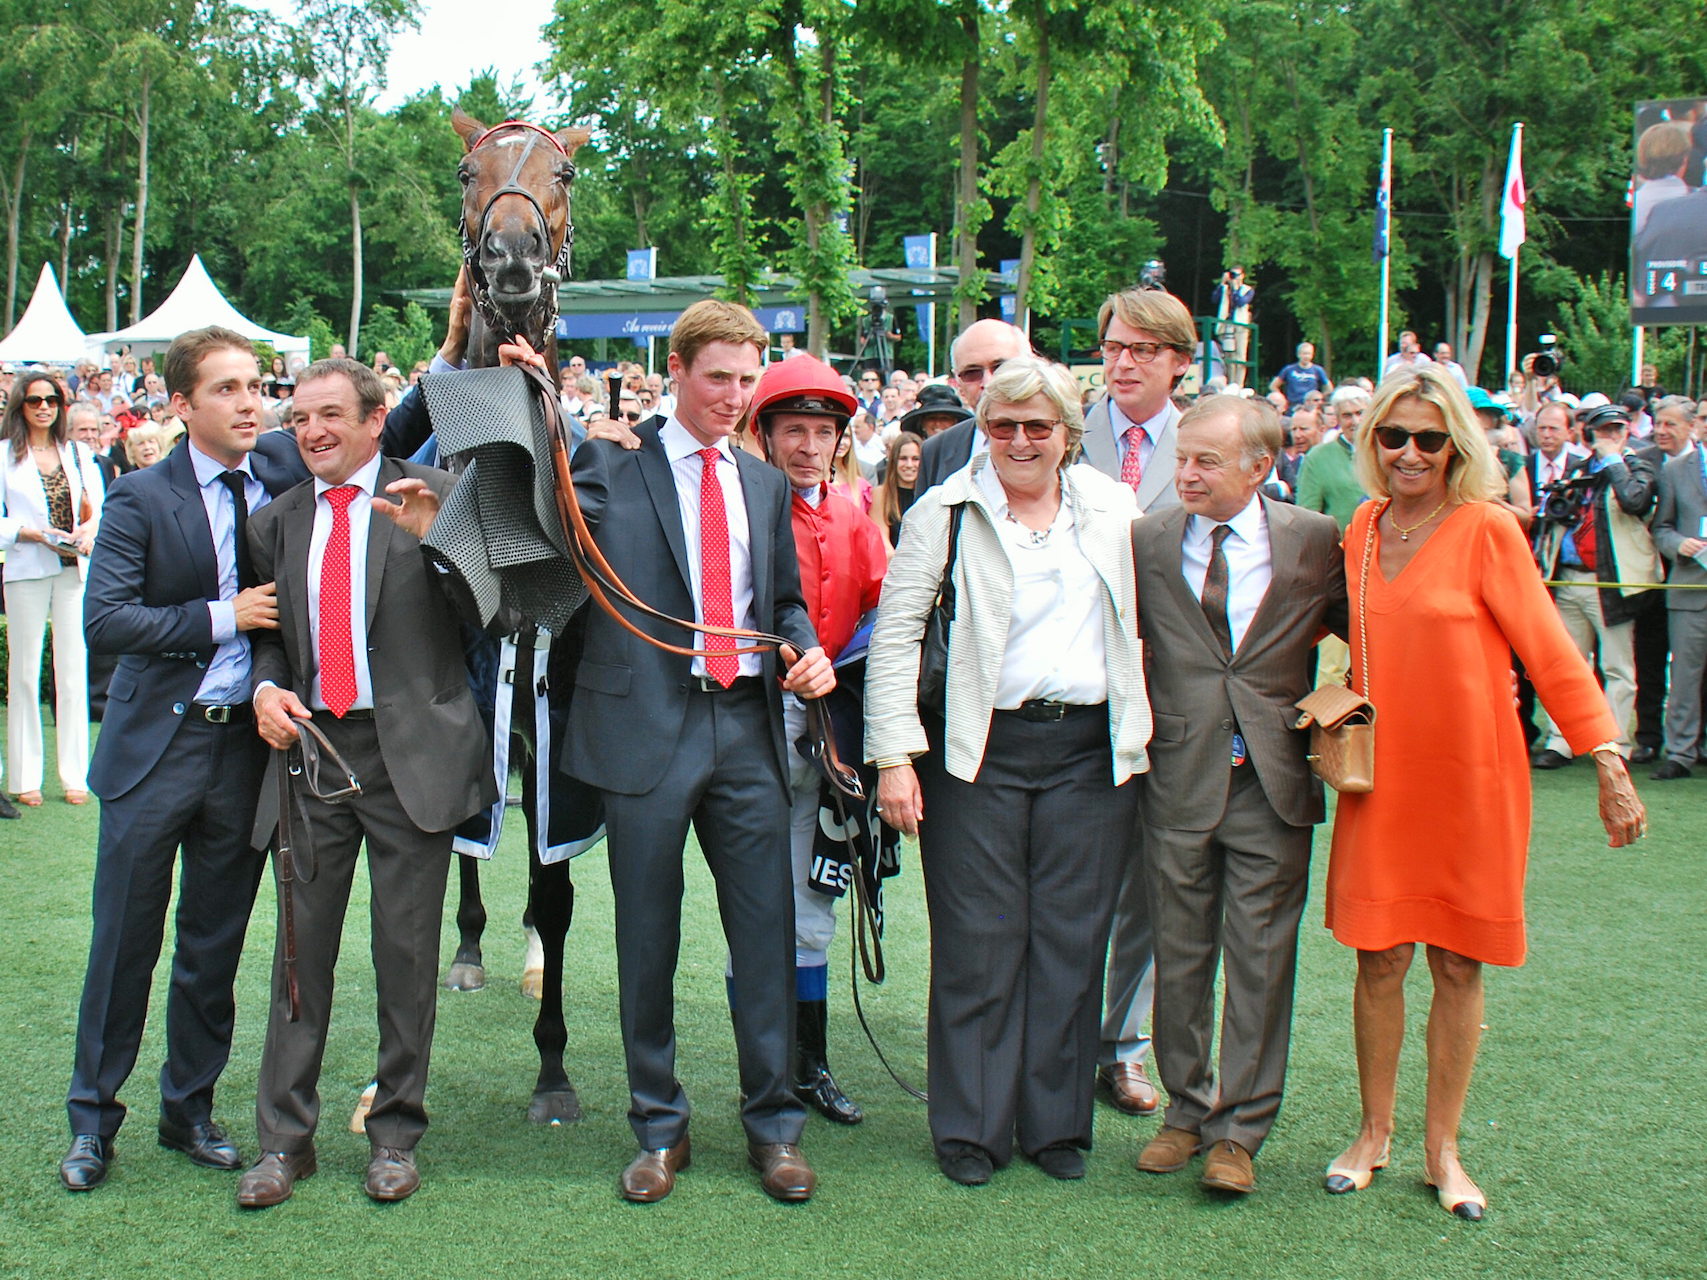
(545, 307)
(606, 589)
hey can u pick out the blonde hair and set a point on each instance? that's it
(146, 433)
(1022, 378)
(1473, 472)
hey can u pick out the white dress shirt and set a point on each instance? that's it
(227, 678)
(1250, 567)
(1055, 639)
(687, 467)
(1119, 423)
(366, 479)
(1547, 470)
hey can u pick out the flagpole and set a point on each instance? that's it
(1386, 257)
(1515, 163)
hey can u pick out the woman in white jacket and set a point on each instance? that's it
(1020, 791)
(51, 494)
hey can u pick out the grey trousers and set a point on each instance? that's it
(1020, 869)
(1232, 895)
(1688, 629)
(406, 871)
(724, 781)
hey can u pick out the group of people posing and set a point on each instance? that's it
(1110, 795)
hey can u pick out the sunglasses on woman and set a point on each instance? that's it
(36, 402)
(1395, 438)
(1007, 428)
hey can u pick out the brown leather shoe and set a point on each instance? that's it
(1129, 1087)
(651, 1175)
(1228, 1168)
(391, 1174)
(783, 1171)
(1169, 1151)
(270, 1179)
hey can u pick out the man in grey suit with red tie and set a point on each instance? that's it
(370, 649)
(700, 530)
(1234, 589)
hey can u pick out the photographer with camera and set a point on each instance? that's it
(1541, 376)
(1232, 300)
(1592, 529)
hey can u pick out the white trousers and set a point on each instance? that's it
(30, 602)
(1579, 607)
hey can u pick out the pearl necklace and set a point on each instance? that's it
(1404, 533)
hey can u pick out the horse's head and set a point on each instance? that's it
(515, 208)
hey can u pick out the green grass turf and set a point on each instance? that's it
(1585, 1125)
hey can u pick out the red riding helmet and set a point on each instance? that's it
(803, 384)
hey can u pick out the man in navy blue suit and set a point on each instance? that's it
(172, 594)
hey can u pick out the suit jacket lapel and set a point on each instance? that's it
(661, 487)
(758, 543)
(192, 521)
(1099, 447)
(1157, 479)
(1173, 571)
(379, 531)
(296, 531)
(1284, 547)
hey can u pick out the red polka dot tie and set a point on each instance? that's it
(337, 650)
(717, 608)
(1132, 466)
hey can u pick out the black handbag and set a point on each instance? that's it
(933, 648)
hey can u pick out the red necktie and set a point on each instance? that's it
(1132, 466)
(337, 650)
(714, 590)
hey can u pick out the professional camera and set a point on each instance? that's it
(1153, 275)
(1561, 500)
(1549, 360)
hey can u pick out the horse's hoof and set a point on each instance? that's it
(358, 1117)
(558, 1106)
(533, 984)
(465, 977)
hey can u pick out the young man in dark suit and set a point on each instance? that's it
(700, 530)
(177, 765)
(369, 648)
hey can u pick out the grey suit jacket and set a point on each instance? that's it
(430, 731)
(1156, 489)
(1679, 515)
(1197, 695)
(944, 454)
(631, 697)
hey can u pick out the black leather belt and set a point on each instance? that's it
(706, 684)
(223, 713)
(354, 713)
(1040, 710)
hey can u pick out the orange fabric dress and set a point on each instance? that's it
(1437, 852)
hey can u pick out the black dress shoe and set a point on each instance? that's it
(1063, 1160)
(7, 808)
(968, 1165)
(85, 1165)
(1644, 755)
(1669, 771)
(1548, 759)
(206, 1144)
(825, 1096)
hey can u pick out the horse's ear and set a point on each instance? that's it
(466, 126)
(572, 139)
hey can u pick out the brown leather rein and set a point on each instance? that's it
(603, 584)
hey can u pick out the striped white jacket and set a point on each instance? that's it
(1103, 511)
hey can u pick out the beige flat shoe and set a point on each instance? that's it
(1343, 1179)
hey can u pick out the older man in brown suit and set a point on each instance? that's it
(1233, 591)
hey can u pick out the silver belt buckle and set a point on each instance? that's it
(217, 715)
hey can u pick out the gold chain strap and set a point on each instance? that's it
(1362, 599)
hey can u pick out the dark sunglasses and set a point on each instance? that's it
(35, 402)
(1395, 438)
(631, 415)
(1007, 428)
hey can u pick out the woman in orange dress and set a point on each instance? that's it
(1444, 581)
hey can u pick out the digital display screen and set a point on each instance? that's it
(1668, 213)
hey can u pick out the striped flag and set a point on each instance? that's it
(1512, 232)
(1384, 204)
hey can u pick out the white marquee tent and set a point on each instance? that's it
(196, 301)
(47, 334)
